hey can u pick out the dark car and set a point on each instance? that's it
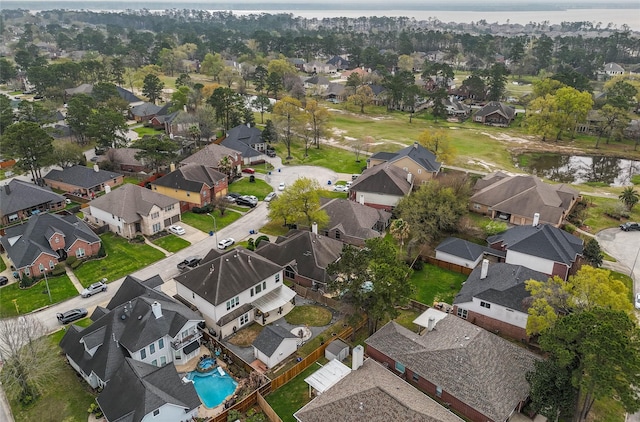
(245, 202)
(234, 195)
(3, 280)
(190, 262)
(271, 153)
(628, 226)
(72, 315)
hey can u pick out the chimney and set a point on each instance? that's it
(358, 357)
(314, 228)
(415, 145)
(7, 189)
(361, 199)
(409, 177)
(107, 189)
(536, 219)
(156, 309)
(96, 168)
(172, 167)
(431, 322)
(485, 269)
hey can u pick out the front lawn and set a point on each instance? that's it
(597, 220)
(435, 284)
(66, 398)
(171, 243)
(274, 228)
(3, 266)
(15, 301)
(314, 316)
(142, 131)
(122, 258)
(259, 188)
(336, 159)
(204, 222)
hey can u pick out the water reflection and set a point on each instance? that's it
(581, 169)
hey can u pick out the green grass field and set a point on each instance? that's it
(434, 284)
(15, 301)
(122, 259)
(259, 188)
(171, 243)
(204, 223)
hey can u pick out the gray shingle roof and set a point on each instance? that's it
(461, 248)
(210, 155)
(425, 158)
(384, 179)
(479, 368)
(145, 109)
(81, 176)
(354, 219)
(245, 134)
(504, 285)
(374, 394)
(25, 242)
(270, 338)
(124, 156)
(543, 240)
(190, 178)
(130, 202)
(18, 195)
(147, 387)
(226, 276)
(311, 253)
(504, 110)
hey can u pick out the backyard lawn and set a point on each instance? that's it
(65, 398)
(259, 188)
(15, 301)
(171, 243)
(204, 223)
(336, 159)
(122, 259)
(314, 316)
(435, 284)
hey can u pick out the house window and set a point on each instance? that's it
(438, 391)
(244, 318)
(476, 206)
(27, 272)
(143, 354)
(161, 343)
(258, 288)
(152, 349)
(288, 272)
(419, 171)
(156, 412)
(252, 291)
(337, 234)
(155, 215)
(233, 303)
(41, 268)
(485, 305)
(163, 360)
(325, 233)
(264, 285)
(80, 253)
(154, 362)
(400, 367)
(277, 278)
(156, 227)
(462, 313)
(415, 377)
(51, 264)
(57, 239)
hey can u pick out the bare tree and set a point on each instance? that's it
(361, 145)
(28, 361)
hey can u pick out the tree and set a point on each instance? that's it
(67, 154)
(629, 197)
(180, 98)
(361, 145)
(152, 87)
(194, 134)
(228, 106)
(6, 113)
(613, 121)
(552, 394)
(262, 104)
(212, 65)
(587, 289)
(31, 144)
(400, 231)
(362, 97)
(269, 133)
(372, 279)
(158, 151)
(592, 253)
(600, 347)
(108, 128)
(28, 361)
(225, 165)
(542, 117)
(299, 203)
(573, 106)
(438, 142)
(497, 80)
(318, 117)
(260, 78)
(274, 84)
(206, 121)
(79, 111)
(287, 114)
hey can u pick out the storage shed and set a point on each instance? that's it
(337, 349)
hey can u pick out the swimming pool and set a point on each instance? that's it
(213, 388)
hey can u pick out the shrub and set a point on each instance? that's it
(251, 244)
(635, 179)
(58, 270)
(494, 227)
(102, 252)
(76, 264)
(70, 260)
(26, 281)
(202, 210)
(619, 211)
(260, 239)
(569, 228)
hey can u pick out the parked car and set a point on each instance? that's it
(281, 186)
(340, 188)
(251, 198)
(628, 226)
(189, 262)
(271, 153)
(72, 315)
(97, 287)
(175, 229)
(270, 196)
(638, 301)
(230, 199)
(225, 243)
(234, 195)
(245, 202)
(3, 280)
(248, 170)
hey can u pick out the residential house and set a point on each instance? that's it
(132, 210)
(144, 112)
(304, 256)
(415, 159)
(542, 247)
(495, 297)
(335, 92)
(360, 71)
(370, 393)
(46, 239)
(339, 62)
(20, 200)
(612, 69)
(456, 108)
(124, 159)
(518, 199)
(317, 84)
(352, 222)
(193, 185)
(130, 346)
(212, 155)
(319, 67)
(463, 253)
(495, 113)
(274, 344)
(480, 375)
(87, 89)
(248, 142)
(82, 181)
(381, 186)
(234, 289)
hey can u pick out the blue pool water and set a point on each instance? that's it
(212, 388)
(206, 364)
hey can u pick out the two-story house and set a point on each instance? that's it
(193, 185)
(234, 289)
(381, 186)
(248, 142)
(46, 239)
(20, 200)
(131, 210)
(414, 159)
(212, 156)
(82, 181)
(140, 331)
(352, 222)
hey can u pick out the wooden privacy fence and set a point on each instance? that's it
(448, 265)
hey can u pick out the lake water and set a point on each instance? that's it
(581, 169)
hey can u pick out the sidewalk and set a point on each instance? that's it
(153, 245)
(73, 278)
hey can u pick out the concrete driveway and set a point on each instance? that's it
(625, 248)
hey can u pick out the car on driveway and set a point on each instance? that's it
(175, 229)
(271, 153)
(628, 226)
(270, 196)
(97, 287)
(638, 301)
(248, 170)
(3, 280)
(281, 186)
(72, 315)
(189, 262)
(245, 202)
(230, 199)
(340, 188)
(225, 243)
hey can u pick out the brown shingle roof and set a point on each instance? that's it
(384, 179)
(354, 219)
(129, 202)
(210, 156)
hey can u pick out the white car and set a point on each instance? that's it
(638, 301)
(225, 243)
(100, 286)
(340, 188)
(176, 230)
(281, 186)
(269, 197)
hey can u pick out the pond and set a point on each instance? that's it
(579, 169)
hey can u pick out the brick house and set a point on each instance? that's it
(495, 113)
(414, 159)
(353, 223)
(82, 181)
(212, 154)
(20, 200)
(381, 186)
